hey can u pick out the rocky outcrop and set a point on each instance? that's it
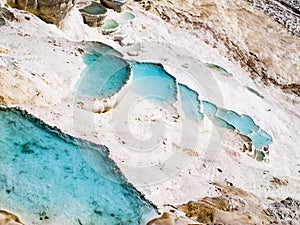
(285, 12)
(168, 219)
(286, 211)
(233, 206)
(50, 11)
(6, 14)
(7, 218)
(114, 4)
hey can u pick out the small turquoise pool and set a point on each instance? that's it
(103, 76)
(190, 103)
(243, 123)
(231, 120)
(44, 176)
(209, 109)
(151, 81)
(260, 139)
(94, 8)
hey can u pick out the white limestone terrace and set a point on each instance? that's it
(47, 66)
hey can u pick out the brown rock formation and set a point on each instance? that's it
(169, 219)
(7, 218)
(50, 11)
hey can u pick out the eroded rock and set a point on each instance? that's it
(50, 11)
(169, 219)
(286, 211)
(7, 218)
(117, 5)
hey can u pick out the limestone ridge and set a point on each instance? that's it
(50, 11)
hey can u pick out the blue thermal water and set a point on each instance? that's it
(103, 76)
(260, 139)
(94, 50)
(94, 8)
(43, 176)
(222, 123)
(243, 123)
(190, 103)
(209, 109)
(151, 81)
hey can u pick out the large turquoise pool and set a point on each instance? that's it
(44, 178)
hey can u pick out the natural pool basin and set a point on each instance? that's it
(45, 179)
(93, 14)
(104, 76)
(243, 123)
(109, 26)
(151, 81)
(190, 103)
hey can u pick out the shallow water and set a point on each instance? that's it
(151, 81)
(110, 24)
(243, 123)
(103, 76)
(260, 139)
(44, 177)
(190, 103)
(94, 8)
(209, 109)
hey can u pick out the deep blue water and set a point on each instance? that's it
(43, 175)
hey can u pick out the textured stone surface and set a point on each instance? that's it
(235, 206)
(286, 211)
(169, 219)
(7, 218)
(5, 14)
(50, 11)
(114, 4)
(285, 12)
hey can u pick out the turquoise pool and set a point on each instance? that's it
(151, 81)
(103, 76)
(190, 103)
(44, 176)
(107, 69)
